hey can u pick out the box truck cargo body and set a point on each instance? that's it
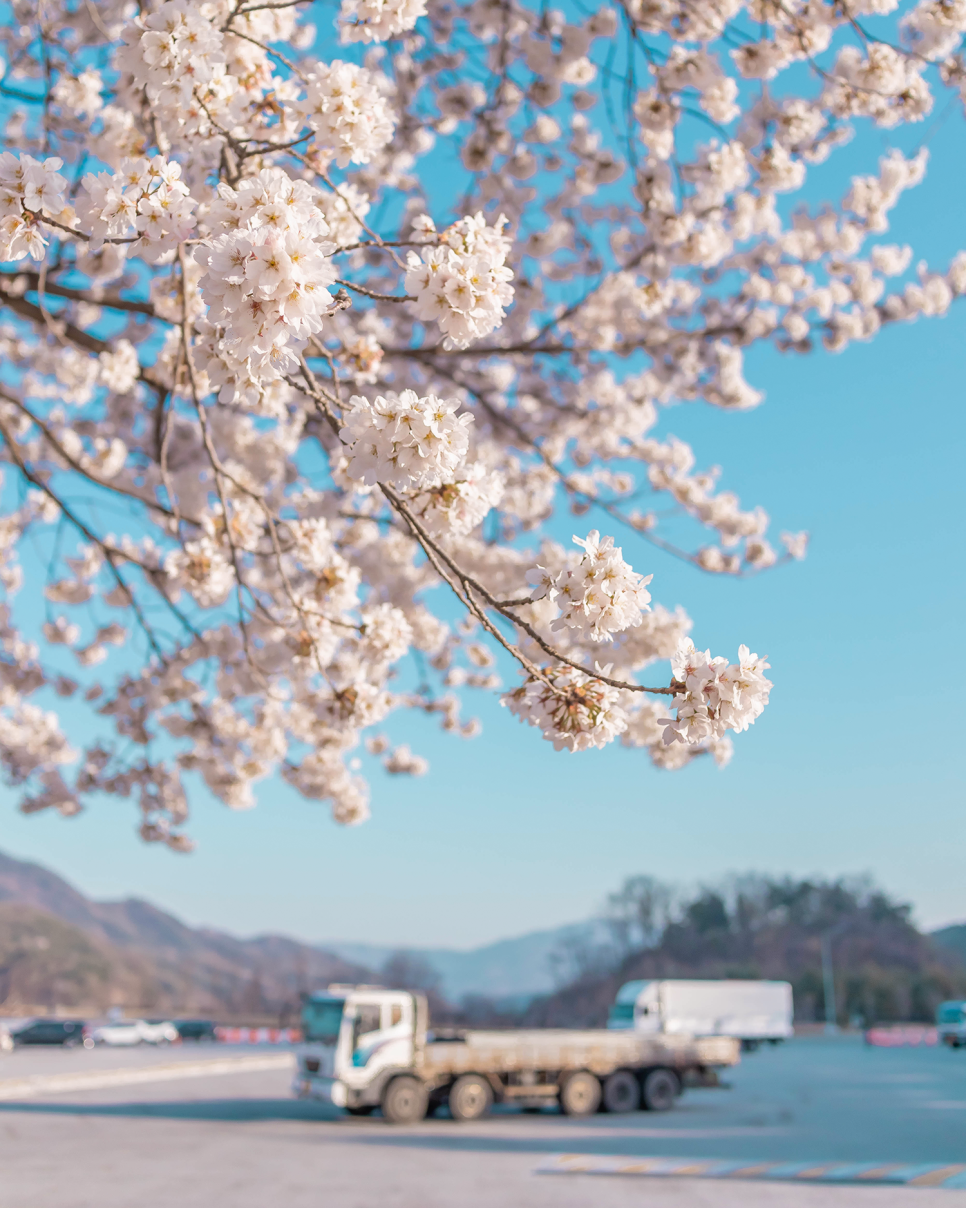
(751, 1011)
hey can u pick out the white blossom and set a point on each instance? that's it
(463, 284)
(267, 277)
(600, 594)
(715, 696)
(346, 107)
(377, 20)
(574, 711)
(402, 762)
(28, 189)
(171, 52)
(405, 440)
(120, 367)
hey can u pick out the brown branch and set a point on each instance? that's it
(371, 293)
(109, 554)
(105, 483)
(109, 301)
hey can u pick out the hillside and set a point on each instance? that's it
(47, 962)
(119, 950)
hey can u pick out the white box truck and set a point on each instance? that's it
(750, 1011)
(365, 1047)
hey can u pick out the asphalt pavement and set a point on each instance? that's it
(237, 1139)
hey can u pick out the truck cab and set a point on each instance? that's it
(951, 1023)
(638, 1006)
(354, 1038)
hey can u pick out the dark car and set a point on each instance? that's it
(68, 1032)
(195, 1029)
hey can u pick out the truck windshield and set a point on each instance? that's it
(321, 1019)
(621, 1012)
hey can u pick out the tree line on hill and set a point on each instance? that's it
(753, 926)
(763, 927)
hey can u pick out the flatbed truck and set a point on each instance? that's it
(365, 1047)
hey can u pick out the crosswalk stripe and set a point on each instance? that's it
(893, 1173)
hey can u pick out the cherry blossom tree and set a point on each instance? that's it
(315, 322)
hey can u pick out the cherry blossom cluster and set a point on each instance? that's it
(146, 196)
(463, 283)
(715, 696)
(319, 328)
(601, 594)
(29, 189)
(460, 505)
(405, 440)
(267, 272)
(575, 711)
(378, 20)
(172, 52)
(347, 108)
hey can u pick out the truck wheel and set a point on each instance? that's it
(470, 1097)
(580, 1094)
(622, 1092)
(365, 1109)
(405, 1101)
(660, 1090)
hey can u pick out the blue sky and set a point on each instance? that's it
(854, 767)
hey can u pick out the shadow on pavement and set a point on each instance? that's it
(440, 1135)
(191, 1109)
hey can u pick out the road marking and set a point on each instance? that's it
(876, 1174)
(936, 1178)
(893, 1173)
(59, 1084)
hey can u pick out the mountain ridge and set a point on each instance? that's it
(509, 968)
(191, 969)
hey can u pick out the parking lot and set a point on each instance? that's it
(236, 1136)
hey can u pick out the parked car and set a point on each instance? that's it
(132, 1031)
(196, 1029)
(66, 1032)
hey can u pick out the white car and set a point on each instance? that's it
(135, 1031)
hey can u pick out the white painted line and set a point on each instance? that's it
(59, 1084)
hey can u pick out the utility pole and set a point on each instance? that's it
(828, 977)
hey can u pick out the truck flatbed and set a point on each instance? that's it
(599, 1051)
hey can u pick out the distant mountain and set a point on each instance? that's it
(513, 968)
(199, 969)
(179, 968)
